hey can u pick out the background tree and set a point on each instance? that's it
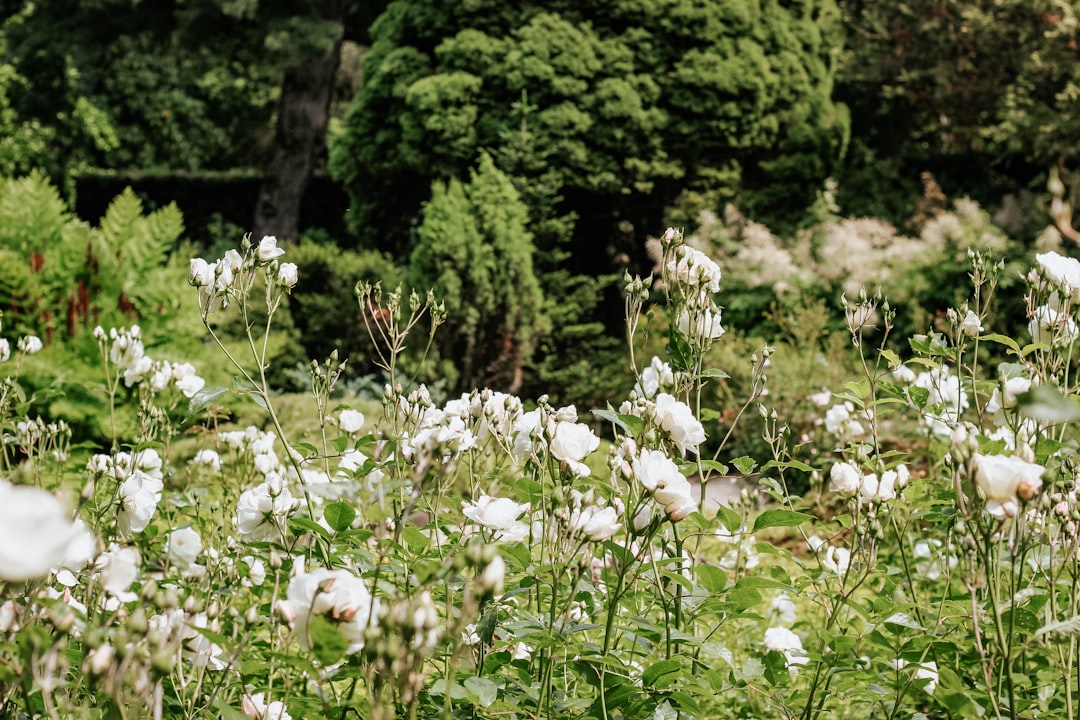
(475, 251)
(980, 93)
(630, 107)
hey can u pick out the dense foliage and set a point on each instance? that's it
(626, 107)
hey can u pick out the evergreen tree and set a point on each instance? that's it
(474, 250)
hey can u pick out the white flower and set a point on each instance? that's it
(678, 421)
(1052, 327)
(199, 650)
(903, 374)
(499, 515)
(784, 641)
(254, 706)
(137, 370)
(844, 479)
(971, 325)
(832, 558)
(350, 421)
(595, 523)
(571, 443)
(1062, 271)
(209, 458)
(256, 570)
(139, 496)
(839, 421)
(657, 375)
(36, 533)
(670, 489)
(493, 577)
(1001, 478)
(692, 268)
(200, 273)
(183, 547)
(874, 489)
(338, 595)
(9, 615)
(5, 350)
(700, 324)
(783, 608)
(117, 569)
(30, 344)
(268, 249)
(1006, 396)
(261, 512)
(287, 276)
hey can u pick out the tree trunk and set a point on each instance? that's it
(300, 137)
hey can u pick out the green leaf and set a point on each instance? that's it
(306, 449)
(715, 466)
(227, 711)
(679, 352)
(744, 464)
(483, 690)
(892, 358)
(731, 519)
(204, 399)
(780, 518)
(631, 424)
(327, 642)
(1003, 340)
(1064, 627)
(658, 670)
(339, 515)
(903, 620)
(1044, 402)
(715, 373)
(485, 624)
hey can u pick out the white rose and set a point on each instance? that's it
(1062, 271)
(844, 479)
(254, 706)
(494, 513)
(200, 273)
(971, 325)
(350, 421)
(268, 249)
(208, 457)
(260, 513)
(700, 323)
(1051, 327)
(597, 523)
(117, 569)
(1001, 478)
(874, 489)
(30, 344)
(36, 533)
(336, 594)
(139, 497)
(183, 547)
(784, 641)
(678, 421)
(670, 489)
(571, 443)
(287, 276)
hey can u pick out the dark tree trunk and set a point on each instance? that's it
(300, 138)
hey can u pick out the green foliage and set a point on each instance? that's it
(628, 104)
(66, 277)
(323, 304)
(474, 251)
(977, 92)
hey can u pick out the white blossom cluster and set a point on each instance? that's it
(217, 280)
(693, 279)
